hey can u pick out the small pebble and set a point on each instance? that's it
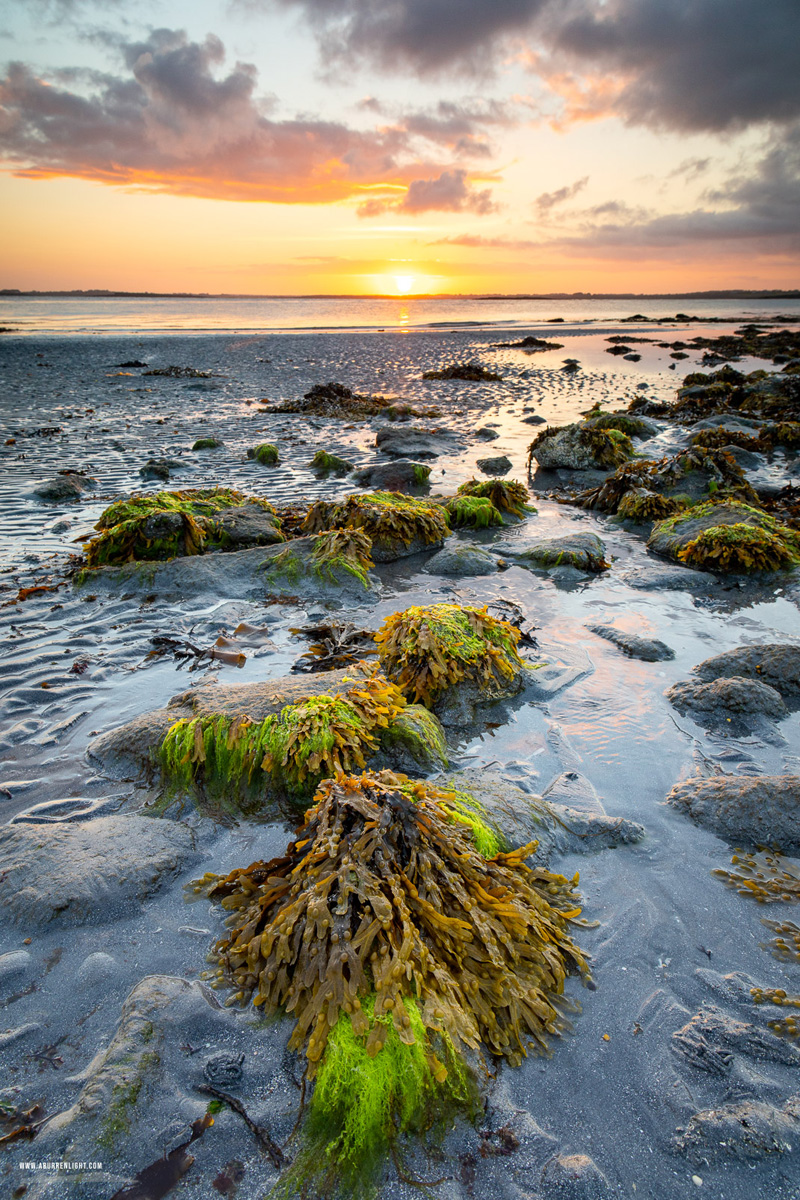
(697, 1180)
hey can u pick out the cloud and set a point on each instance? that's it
(549, 200)
(677, 64)
(177, 120)
(450, 191)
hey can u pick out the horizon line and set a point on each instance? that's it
(113, 293)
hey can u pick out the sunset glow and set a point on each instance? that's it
(234, 164)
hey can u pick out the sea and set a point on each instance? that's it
(81, 315)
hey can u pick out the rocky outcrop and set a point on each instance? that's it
(762, 809)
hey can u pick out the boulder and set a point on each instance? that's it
(762, 809)
(85, 873)
(585, 551)
(748, 1130)
(248, 525)
(520, 817)
(159, 468)
(461, 561)
(285, 570)
(774, 663)
(414, 442)
(632, 644)
(67, 485)
(403, 475)
(674, 536)
(723, 698)
(580, 447)
(499, 465)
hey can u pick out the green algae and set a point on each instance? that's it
(345, 550)
(472, 512)
(507, 495)
(421, 474)
(197, 502)
(418, 732)
(234, 759)
(326, 464)
(426, 650)
(621, 422)
(266, 454)
(124, 1098)
(642, 505)
(741, 547)
(208, 443)
(363, 1104)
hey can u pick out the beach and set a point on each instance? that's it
(671, 946)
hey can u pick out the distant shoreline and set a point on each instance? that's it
(100, 294)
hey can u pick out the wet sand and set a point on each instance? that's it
(72, 665)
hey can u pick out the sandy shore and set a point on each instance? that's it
(669, 935)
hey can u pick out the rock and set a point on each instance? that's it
(286, 570)
(404, 475)
(14, 963)
(159, 468)
(129, 750)
(647, 649)
(248, 525)
(208, 443)
(521, 817)
(96, 969)
(139, 1093)
(573, 790)
(761, 809)
(721, 698)
(87, 873)
(573, 1177)
(224, 1069)
(660, 577)
(580, 447)
(749, 1130)
(500, 465)
(460, 561)
(709, 1040)
(535, 419)
(67, 485)
(584, 551)
(486, 434)
(673, 536)
(774, 663)
(414, 442)
(726, 421)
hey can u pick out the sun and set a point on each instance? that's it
(404, 284)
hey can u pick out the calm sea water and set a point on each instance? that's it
(83, 315)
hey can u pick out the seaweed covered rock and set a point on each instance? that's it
(208, 443)
(580, 447)
(287, 753)
(398, 525)
(774, 663)
(633, 426)
(427, 651)
(763, 809)
(328, 557)
(325, 464)
(472, 372)
(265, 453)
(402, 475)
(584, 551)
(165, 525)
(726, 536)
(640, 504)
(395, 946)
(680, 479)
(506, 495)
(336, 401)
(471, 512)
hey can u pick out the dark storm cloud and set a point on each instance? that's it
(680, 64)
(176, 120)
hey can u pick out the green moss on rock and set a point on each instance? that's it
(266, 454)
(389, 518)
(326, 464)
(471, 512)
(507, 495)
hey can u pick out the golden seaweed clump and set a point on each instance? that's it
(787, 1026)
(507, 495)
(388, 517)
(640, 504)
(223, 756)
(427, 650)
(394, 944)
(766, 876)
(778, 946)
(743, 547)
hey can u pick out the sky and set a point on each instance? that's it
(400, 146)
